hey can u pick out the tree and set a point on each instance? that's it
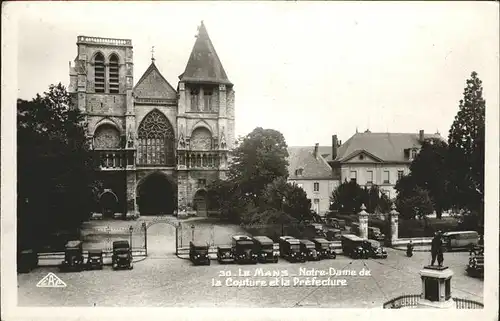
(466, 149)
(429, 171)
(287, 198)
(349, 196)
(416, 203)
(55, 167)
(259, 159)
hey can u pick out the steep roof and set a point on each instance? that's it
(153, 85)
(204, 64)
(389, 147)
(313, 168)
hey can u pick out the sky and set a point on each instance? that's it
(307, 69)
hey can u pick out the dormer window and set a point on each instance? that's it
(414, 153)
(299, 171)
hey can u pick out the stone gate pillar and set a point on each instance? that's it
(363, 222)
(132, 210)
(394, 223)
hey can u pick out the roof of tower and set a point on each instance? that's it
(204, 65)
(153, 85)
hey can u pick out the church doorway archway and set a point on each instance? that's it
(108, 202)
(157, 195)
(201, 202)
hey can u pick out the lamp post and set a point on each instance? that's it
(145, 237)
(282, 223)
(131, 229)
(192, 232)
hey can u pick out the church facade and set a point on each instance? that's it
(157, 147)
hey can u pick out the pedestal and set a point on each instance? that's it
(436, 288)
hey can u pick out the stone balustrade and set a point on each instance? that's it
(105, 41)
(199, 159)
(113, 159)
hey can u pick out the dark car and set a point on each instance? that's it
(198, 253)
(375, 250)
(352, 246)
(324, 248)
(94, 260)
(355, 228)
(225, 254)
(122, 255)
(475, 268)
(290, 249)
(333, 234)
(244, 249)
(374, 233)
(308, 249)
(264, 248)
(27, 260)
(73, 256)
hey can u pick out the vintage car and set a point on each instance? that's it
(244, 249)
(352, 245)
(333, 234)
(198, 253)
(225, 254)
(122, 255)
(290, 249)
(336, 223)
(324, 248)
(94, 260)
(27, 260)
(374, 233)
(73, 256)
(475, 267)
(308, 250)
(460, 240)
(264, 247)
(375, 250)
(318, 228)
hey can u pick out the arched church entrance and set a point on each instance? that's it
(108, 202)
(201, 202)
(157, 195)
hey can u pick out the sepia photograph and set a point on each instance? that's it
(312, 156)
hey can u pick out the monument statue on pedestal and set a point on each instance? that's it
(437, 249)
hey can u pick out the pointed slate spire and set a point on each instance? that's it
(204, 65)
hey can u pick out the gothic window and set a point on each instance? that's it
(106, 136)
(156, 140)
(207, 99)
(113, 74)
(99, 73)
(201, 139)
(195, 92)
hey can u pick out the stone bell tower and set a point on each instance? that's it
(205, 123)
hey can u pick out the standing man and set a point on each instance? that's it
(437, 249)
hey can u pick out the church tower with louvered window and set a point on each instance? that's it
(156, 147)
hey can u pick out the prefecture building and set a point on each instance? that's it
(368, 158)
(157, 146)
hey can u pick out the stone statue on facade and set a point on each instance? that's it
(130, 139)
(222, 140)
(182, 141)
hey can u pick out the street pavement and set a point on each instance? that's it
(164, 280)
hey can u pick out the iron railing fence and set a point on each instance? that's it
(412, 300)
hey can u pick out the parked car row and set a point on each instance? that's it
(261, 249)
(74, 259)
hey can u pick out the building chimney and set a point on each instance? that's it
(316, 150)
(421, 136)
(335, 145)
